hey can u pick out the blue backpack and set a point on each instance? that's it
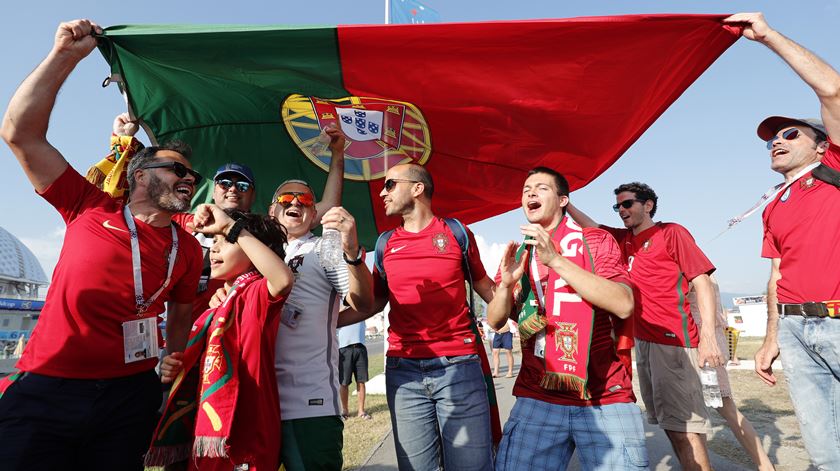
(458, 230)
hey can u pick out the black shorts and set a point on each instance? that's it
(352, 360)
(504, 341)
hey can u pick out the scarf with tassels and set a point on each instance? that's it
(561, 320)
(202, 424)
(109, 174)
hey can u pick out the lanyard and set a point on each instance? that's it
(535, 271)
(136, 264)
(768, 196)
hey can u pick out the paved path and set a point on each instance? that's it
(383, 457)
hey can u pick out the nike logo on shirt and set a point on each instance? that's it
(397, 249)
(107, 225)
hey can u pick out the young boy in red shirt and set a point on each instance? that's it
(234, 421)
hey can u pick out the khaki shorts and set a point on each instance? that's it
(669, 380)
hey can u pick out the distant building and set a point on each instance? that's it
(751, 315)
(22, 283)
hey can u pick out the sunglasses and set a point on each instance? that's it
(392, 182)
(241, 187)
(285, 199)
(788, 135)
(626, 204)
(180, 170)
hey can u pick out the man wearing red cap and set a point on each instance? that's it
(801, 224)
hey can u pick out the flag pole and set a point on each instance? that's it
(387, 13)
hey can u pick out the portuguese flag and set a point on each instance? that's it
(478, 104)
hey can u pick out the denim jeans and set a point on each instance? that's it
(439, 413)
(543, 436)
(810, 352)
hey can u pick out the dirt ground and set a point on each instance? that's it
(771, 414)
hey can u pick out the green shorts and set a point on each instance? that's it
(312, 443)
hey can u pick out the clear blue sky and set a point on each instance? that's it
(702, 156)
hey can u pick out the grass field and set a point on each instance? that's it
(360, 436)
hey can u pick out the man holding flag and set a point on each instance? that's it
(569, 291)
(800, 239)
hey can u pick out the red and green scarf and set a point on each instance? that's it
(563, 319)
(202, 424)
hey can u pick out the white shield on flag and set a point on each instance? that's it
(360, 125)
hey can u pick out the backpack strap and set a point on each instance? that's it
(460, 232)
(827, 174)
(379, 253)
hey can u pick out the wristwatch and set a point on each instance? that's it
(235, 229)
(360, 257)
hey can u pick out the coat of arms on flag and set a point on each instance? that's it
(380, 133)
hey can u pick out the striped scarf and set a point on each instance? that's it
(202, 424)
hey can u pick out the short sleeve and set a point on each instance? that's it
(606, 255)
(474, 258)
(688, 256)
(72, 195)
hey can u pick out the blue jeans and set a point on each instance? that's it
(542, 436)
(439, 413)
(810, 352)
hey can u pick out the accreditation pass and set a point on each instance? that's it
(140, 339)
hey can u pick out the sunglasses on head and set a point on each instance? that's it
(626, 204)
(180, 170)
(788, 135)
(226, 183)
(285, 199)
(392, 182)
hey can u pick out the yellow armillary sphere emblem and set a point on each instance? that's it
(380, 133)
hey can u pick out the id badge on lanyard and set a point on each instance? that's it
(140, 339)
(539, 343)
(140, 336)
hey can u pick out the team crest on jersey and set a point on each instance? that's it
(566, 340)
(806, 183)
(294, 264)
(646, 245)
(440, 241)
(380, 133)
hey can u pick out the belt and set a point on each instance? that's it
(811, 309)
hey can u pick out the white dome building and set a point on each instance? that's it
(17, 263)
(21, 278)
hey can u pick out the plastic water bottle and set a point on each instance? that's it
(711, 388)
(332, 255)
(321, 144)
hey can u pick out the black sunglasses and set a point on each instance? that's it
(392, 182)
(788, 135)
(626, 204)
(226, 183)
(180, 170)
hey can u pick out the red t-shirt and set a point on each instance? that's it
(429, 311)
(202, 299)
(662, 260)
(609, 382)
(79, 333)
(255, 433)
(801, 227)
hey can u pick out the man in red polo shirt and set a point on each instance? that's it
(662, 259)
(801, 224)
(568, 294)
(87, 392)
(434, 383)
